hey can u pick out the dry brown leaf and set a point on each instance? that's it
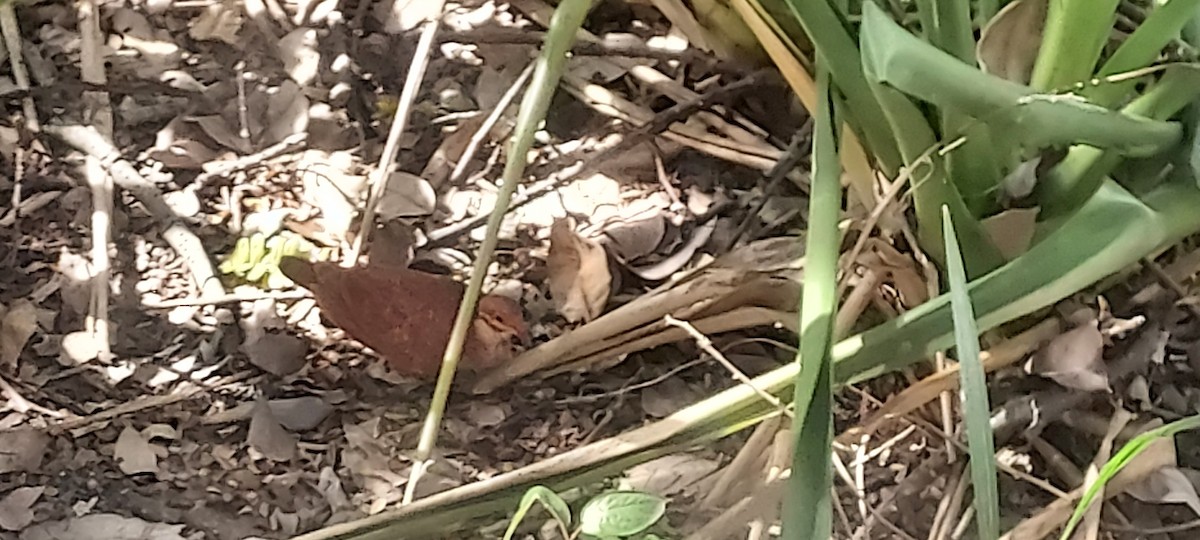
(134, 454)
(406, 195)
(16, 509)
(287, 113)
(298, 51)
(24, 450)
(268, 436)
(1010, 41)
(107, 526)
(1167, 485)
(400, 16)
(218, 22)
(17, 326)
(1074, 359)
(580, 281)
(1012, 230)
(638, 238)
(301, 413)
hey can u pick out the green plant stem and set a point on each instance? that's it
(808, 512)
(567, 19)
(1072, 41)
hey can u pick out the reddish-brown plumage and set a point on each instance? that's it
(406, 315)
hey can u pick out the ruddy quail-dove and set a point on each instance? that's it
(406, 315)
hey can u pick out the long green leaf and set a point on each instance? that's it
(974, 392)
(900, 60)
(809, 512)
(932, 187)
(1140, 49)
(832, 39)
(1072, 180)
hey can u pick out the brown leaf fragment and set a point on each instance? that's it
(16, 508)
(107, 526)
(277, 354)
(23, 450)
(301, 413)
(134, 454)
(1074, 359)
(1009, 43)
(268, 436)
(580, 281)
(17, 326)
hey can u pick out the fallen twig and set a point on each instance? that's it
(87, 140)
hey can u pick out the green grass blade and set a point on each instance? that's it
(974, 392)
(808, 512)
(898, 59)
(1074, 37)
(835, 44)
(1131, 450)
(1164, 23)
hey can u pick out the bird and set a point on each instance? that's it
(406, 315)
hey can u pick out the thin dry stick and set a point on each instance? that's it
(560, 173)
(99, 113)
(706, 345)
(89, 141)
(391, 148)
(488, 123)
(18, 402)
(12, 40)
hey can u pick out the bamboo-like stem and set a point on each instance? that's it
(559, 39)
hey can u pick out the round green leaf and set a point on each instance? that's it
(621, 513)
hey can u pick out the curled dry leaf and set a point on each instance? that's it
(1167, 485)
(1074, 359)
(580, 281)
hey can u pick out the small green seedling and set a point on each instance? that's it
(611, 515)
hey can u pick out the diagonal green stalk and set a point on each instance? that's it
(974, 392)
(568, 17)
(1074, 37)
(1131, 450)
(808, 510)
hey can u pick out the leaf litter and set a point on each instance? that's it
(298, 431)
